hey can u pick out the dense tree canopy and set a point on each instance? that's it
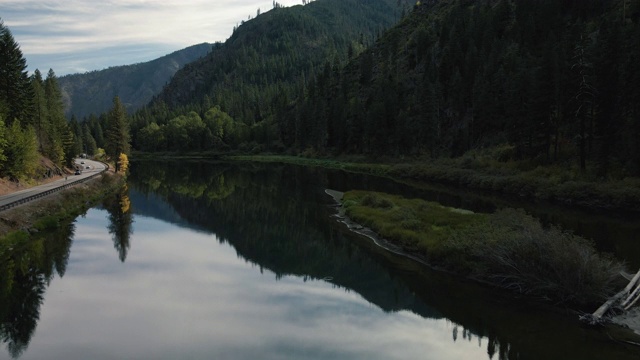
(549, 81)
(262, 68)
(32, 120)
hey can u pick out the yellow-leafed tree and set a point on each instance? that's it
(123, 163)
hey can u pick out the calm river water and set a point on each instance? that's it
(205, 260)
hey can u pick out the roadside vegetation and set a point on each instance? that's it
(52, 212)
(509, 248)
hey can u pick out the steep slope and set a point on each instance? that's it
(93, 92)
(546, 80)
(266, 62)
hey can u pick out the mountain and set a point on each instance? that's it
(544, 81)
(267, 61)
(93, 92)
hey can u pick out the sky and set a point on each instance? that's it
(76, 36)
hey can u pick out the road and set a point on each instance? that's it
(90, 168)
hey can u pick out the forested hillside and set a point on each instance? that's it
(32, 121)
(548, 80)
(257, 73)
(93, 92)
(33, 126)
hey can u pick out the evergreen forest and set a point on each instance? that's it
(36, 139)
(542, 82)
(229, 99)
(546, 81)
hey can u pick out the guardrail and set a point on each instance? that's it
(54, 190)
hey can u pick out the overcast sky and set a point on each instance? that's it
(76, 36)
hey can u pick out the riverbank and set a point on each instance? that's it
(566, 187)
(50, 212)
(508, 249)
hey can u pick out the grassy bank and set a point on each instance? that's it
(552, 184)
(508, 249)
(51, 212)
(379, 169)
(566, 186)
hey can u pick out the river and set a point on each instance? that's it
(209, 260)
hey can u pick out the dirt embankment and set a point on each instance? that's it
(48, 172)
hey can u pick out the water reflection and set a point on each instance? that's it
(120, 220)
(198, 282)
(181, 294)
(26, 270)
(271, 216)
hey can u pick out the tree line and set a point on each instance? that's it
(547, 81)
(33, 124)
(555, 81)
(261, 69)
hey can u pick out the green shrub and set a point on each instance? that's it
(48, 223)
(372, 200)
(12, 239)
(509, 248)
(517, 253)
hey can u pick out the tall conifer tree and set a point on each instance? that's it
(117, 133)
(15, 87)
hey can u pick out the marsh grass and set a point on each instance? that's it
(412, 222)
(509, 249)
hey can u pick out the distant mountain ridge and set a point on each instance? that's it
(93, 92)
(266, 60)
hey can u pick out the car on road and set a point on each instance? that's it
(78, 172)
(82, 162)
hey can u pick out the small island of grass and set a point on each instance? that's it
(509, 248)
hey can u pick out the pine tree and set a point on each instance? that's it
(88, 141)
(40, 114)
(97, 131)
(15, 87)
(61, 147)
(3, 143)
(117, 133)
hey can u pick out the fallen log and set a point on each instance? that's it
(632, 298)
(596, 317)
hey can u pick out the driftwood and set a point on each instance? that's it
(632, 298)
(632, 293)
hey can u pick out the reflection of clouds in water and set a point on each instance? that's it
(181, 294)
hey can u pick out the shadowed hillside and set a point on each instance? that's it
(93, 92)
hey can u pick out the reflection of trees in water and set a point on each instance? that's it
(120, 221)
(273, 216)
(26, 270)
(195, 180)
(504, 350)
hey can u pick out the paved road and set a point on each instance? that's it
(90, 168)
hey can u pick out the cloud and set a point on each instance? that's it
(74, 35)
(183, 294)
